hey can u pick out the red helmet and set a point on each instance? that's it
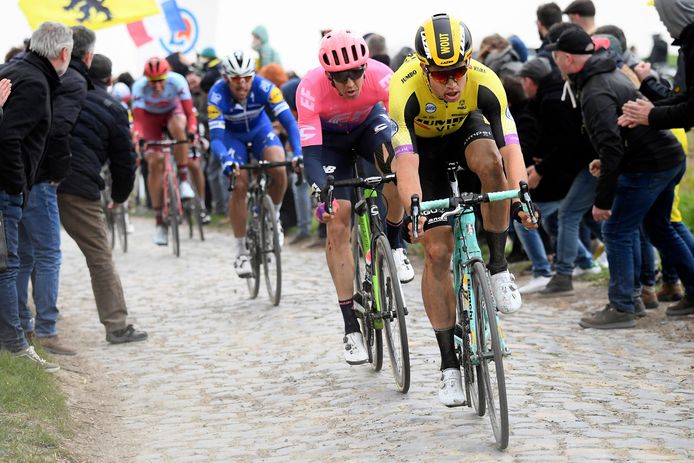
(342, 50)
(156, 68)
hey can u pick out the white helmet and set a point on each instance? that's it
(239, 63)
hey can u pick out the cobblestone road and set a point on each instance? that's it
(224, 378)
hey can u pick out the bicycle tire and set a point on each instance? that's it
(122, 228)
(188, 216)
(373, 338)
(271, 252)
(472, 374)
(197, 210)
(174, 217)
(253, 247)
(393, 311)
(490, 354)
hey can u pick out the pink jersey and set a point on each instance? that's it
(321, 107)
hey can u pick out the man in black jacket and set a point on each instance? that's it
(23, 134)
(562, 152)
(677, 111)
(39, 229)
(638, 170)
(101, 135)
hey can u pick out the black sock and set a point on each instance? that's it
(349, 316)
(393, 234)
(447, 348)
(497, 250)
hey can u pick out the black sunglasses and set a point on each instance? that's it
(343, 76)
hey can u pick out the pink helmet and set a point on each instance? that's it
(342, 50)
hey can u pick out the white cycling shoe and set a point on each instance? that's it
(242, 265)
(186, 190)
(161, 235)
(403, 266)
(355, 353)
(506, 294)
(451, 389)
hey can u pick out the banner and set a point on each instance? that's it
(94, 14)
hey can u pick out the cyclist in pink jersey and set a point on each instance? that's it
(342, 107)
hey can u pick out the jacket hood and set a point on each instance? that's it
(261, 33)
(600, 63)
(675, 15)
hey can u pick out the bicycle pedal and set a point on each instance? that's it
(506, 351)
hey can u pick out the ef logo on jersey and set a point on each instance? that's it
(307, 132)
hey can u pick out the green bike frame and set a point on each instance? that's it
(366, 209)
(466, 250)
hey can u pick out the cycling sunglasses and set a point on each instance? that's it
(237, 79)
(343, 76)
(443, 76)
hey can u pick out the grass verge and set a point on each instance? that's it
(34, 420)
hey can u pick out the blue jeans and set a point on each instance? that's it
(643, 197)
(532, 242)
(669, 272)
(647, 274)
(39, 256)
(11, 333)
(577, 201)
(302, 205)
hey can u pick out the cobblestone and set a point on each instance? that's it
(224, 378)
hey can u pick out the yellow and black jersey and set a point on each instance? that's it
(419, 113)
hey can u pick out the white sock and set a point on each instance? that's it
(240, 244)
(277, 211)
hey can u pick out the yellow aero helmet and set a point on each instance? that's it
(443, 41)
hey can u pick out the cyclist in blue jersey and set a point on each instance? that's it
(236, 112)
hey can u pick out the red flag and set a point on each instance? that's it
(138, 33)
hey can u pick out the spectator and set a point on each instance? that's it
(101, 136)
(548, 14)
(301, 193)
(677, 110)
(638, 170)
(628, 57)
(261, 44)
(39, 229)
(126, 78)
(659, 52)
(497, 54)
(23, 134)
(377, 48)
(582, 13)
(519, 47)
(399, 57)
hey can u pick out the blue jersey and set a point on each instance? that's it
(239, 119)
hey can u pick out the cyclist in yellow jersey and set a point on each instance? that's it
(449, 107)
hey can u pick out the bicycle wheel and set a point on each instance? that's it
(490, 354)
(393, 312)
(472, 374)
(373, 339)
(188, 216)
(174, 217)
(197, 213)
(121, 228)
(253, 245)
(271, 252)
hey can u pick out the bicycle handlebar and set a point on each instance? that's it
(361, 182)
(457, 204)
(264, 165)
